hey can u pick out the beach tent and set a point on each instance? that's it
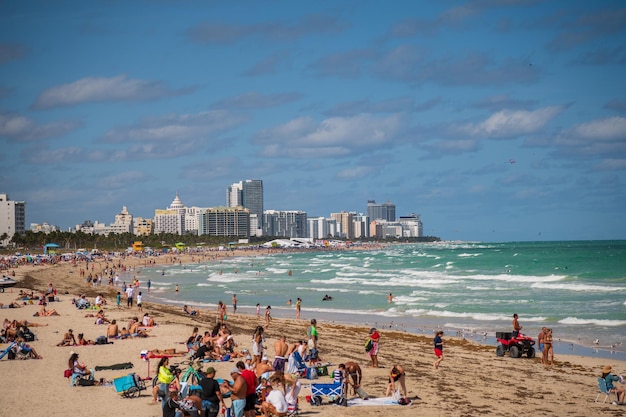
(47, 246)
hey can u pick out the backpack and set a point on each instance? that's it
(101, 340)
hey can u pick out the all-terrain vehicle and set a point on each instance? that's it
(516, 346)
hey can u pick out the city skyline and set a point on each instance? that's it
(495, 121)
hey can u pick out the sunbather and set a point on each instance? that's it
(113, 330)
(27, 349)
(83, 342)
(45, 313)
(186, 310)
(135, 331)
(68, 339)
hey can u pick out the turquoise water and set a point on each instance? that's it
(577, 288)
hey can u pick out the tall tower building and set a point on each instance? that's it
(247, 194)
(385, 211)
(345, 219)
(12, 218)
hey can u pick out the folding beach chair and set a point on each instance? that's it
(7, 350)
(295, 364)
(603, 389)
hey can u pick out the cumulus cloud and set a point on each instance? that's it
(220, 33)
(22, 128)
(511, 123)
(354, 173)
(577, 28)
(333, 137)
(44, 155)
(256, 100)
(175, 127)
(600, 138)
(102, 89)
(122, 179)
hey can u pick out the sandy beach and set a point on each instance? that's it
(471, 381)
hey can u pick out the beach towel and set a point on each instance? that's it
(382, 401)
(126, 365)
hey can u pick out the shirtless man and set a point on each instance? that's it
(353, 370)
(238, 392)
(113, 330)
(516, 326)
(262, 367)
(280, 349)
(135, 331)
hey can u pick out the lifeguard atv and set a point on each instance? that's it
(516, 346)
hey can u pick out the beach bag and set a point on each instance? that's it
(82, 382)
(101, 340)
(369, 345)
(67, 373)
(11, 354)
(311, 373)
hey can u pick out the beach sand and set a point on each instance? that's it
(471, 381)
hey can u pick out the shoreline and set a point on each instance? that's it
(572, 378)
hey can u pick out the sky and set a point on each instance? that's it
(494, 120)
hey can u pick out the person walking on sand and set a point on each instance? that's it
(373, 353)
(298, 307)
(234, 301)
(438, 342)
(268, 317)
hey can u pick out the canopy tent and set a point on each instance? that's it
(49, 245)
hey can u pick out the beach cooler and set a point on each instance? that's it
(322, 370)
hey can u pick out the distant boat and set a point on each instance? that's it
(6, 282)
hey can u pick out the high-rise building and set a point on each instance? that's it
(248, 194)
(224, 221)
(411, 225)
(285, 223)
(12, 219)
(344, 220)
(385, 211)
(360, 225)
(172, 219)
(123, 222)
(322, 228)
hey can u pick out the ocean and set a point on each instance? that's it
(577, 288)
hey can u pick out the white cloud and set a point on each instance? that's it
(355, 173)
(25, 129)
(175, 127)
(336, 136)
(102, 89)
(511, 124)
(610, 128)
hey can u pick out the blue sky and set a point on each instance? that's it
(494, 120)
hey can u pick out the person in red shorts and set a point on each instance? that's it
(438, 342)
